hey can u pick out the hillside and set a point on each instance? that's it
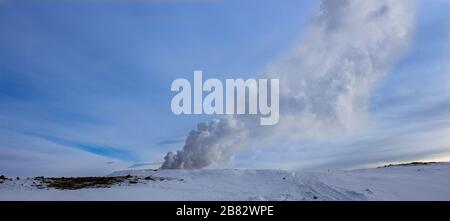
(395, 182)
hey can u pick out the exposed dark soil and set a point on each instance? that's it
(73, 183)
(3, 179)
(410, 164)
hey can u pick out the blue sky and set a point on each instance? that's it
(85, 85)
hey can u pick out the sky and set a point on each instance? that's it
(85, 85)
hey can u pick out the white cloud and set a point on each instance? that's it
(44, 158)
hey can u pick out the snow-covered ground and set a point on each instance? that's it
(424, 182)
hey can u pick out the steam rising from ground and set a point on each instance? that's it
(325, 81)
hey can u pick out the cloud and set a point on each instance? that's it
(101, 150)
(325, 81)
(47, 158)
(172, 141)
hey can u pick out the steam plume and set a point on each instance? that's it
(325, 81)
